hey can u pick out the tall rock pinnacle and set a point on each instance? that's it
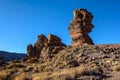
(80, 26)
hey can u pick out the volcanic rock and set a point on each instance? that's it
(45, 47)
(80, 26)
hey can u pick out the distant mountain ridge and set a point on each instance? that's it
(9, 56)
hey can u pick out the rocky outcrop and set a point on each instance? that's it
(45, 47)
(80, 26)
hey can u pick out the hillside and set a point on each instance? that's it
(73, 63)
(8, 56)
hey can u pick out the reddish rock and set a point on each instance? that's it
(42, 40)
(30, 51)
(54, 40)
(45, 47)
(80, 26)
(40, 44)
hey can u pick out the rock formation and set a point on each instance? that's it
(45, 61)
(80, 26)
(45, 47)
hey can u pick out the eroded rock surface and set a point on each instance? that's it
(80, 26)
(45, 47)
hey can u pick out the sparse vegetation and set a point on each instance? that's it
(32, 60)
(77, 63)
(69, 47)
(16, 65)
(116, 68)
(3, 75)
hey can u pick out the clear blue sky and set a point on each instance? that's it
(21, 21)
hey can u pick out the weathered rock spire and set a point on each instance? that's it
(80, 26)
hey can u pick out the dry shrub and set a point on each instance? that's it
(3, 75)
(40, 76)
(32, 60)
(28, 68)
(19, 76)
(17, 65)
(67, 74)
(62, 74)
(91, 69)
(116, 68)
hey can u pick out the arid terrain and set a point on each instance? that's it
(50, 59)
(99, 62)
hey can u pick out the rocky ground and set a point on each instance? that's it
(91, 62)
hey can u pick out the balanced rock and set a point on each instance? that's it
(45, 47)
(80, 26)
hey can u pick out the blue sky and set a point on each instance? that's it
(21, 21)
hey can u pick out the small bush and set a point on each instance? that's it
(72, 63)
(18, 65)
(32, 60)
(21, 76)
(28, 68)
(3, 75)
